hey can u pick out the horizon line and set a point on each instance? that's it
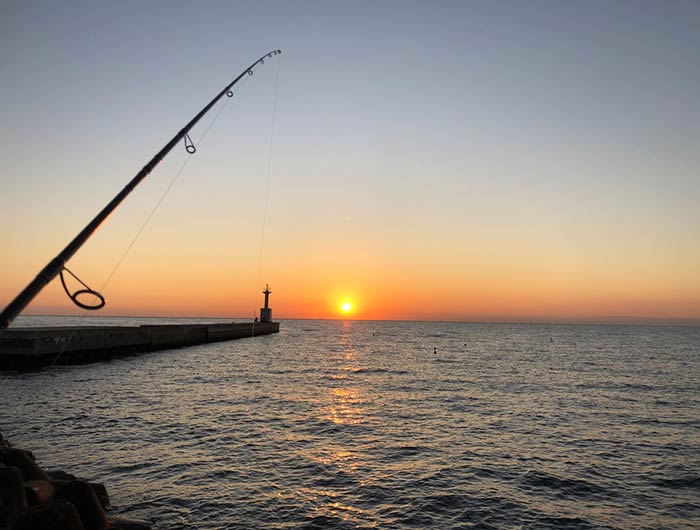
(599, 321)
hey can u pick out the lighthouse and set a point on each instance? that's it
(266, 312)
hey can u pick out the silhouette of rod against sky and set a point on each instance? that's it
(463, 160)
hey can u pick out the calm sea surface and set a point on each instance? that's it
(339, 425)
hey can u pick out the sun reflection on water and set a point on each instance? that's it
(344, 406)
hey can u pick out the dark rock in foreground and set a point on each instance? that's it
(32, 498)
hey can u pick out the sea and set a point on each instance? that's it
(381, 425)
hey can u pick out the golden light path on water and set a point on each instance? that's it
(343, 407)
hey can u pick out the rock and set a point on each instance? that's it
(99, 489)
(13, 500)
(38, 491)
(33, 499)
(101, 493)
(24, 461)
(82, 496)
(56, 515)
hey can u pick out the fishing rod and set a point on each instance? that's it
(57, 266)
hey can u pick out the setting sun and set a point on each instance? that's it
(346, 307)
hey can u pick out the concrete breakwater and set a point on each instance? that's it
(32, 498)
(33, 348)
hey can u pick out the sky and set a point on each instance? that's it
(470, 161)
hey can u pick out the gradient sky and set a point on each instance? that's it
(431, 160)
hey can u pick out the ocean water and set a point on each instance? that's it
(349, 425)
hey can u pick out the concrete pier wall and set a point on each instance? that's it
(33, 348)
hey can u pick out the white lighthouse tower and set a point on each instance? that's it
(266, 312)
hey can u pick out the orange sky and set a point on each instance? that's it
(443, 164)
(381, 281)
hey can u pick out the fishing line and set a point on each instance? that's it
(172, 182)
(191, 149)
(54, 267)
(267, 185)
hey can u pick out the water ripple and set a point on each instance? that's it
(354, 425)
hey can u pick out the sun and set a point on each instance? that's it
(346, 307)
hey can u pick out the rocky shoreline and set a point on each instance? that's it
(32, 498)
